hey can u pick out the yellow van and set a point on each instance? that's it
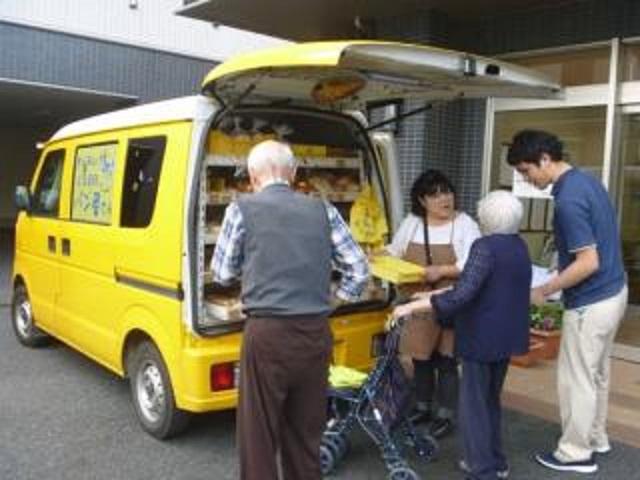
(116, 230)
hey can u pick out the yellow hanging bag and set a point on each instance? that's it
(368, 223)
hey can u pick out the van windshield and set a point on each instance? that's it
(335, 162)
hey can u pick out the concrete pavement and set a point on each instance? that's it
(62, 417)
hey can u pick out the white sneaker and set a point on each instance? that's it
(602, 450)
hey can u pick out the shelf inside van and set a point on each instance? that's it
(303, 161)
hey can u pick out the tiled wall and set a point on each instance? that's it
(445, 137)
(451, 137)
(454, 145)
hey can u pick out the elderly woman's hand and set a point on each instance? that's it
(401, 311)
(422, 305)
(420, 295)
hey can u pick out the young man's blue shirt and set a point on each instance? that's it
(584, 217)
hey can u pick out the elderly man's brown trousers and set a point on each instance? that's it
(283, 397)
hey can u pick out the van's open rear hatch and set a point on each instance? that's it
(352, 73)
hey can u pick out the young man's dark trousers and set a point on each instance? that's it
(283, 397)
(480, 415)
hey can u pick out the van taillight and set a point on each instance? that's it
(223, 376)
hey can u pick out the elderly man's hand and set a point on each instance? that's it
(537, 296)
(376, 252)
(337, 302)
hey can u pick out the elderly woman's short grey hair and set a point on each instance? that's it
(499, 212)
(271, 153)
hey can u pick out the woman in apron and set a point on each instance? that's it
(438, 237)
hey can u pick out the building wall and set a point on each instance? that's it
(578, 21)
(148, 53)
(454, 145)
(152, 24)
(453, 135)
(445, 137)
(62, 59)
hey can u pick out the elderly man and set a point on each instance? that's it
(594, 290)
(489, 308)
(283, 245)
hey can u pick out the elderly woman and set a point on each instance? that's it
(489, 309)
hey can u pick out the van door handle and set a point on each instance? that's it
(66, 247)
(51, 243)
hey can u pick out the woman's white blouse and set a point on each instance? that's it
(465, 231)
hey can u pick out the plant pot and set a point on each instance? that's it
(543, 345)
(529, 358)
(550, 340)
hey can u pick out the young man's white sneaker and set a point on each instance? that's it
(602, 450)
(549, 460)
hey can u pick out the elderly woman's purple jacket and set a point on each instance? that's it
(489, 305)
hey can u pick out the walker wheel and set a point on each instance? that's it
(337, 443)
(426, 447)
(327, 459)
(403, 473)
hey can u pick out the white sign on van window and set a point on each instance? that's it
(524, 189)
(93, 183)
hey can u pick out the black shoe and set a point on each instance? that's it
(441, 427)
(502, 474)
(420, 416)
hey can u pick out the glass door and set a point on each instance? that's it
(628, 337)
(582, 131)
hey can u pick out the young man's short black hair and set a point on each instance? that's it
(529, 145)
(429, 183)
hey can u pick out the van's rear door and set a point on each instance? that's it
(351, 73)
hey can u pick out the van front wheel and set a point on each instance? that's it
(152, 393)
(22, 320)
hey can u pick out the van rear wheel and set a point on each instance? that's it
(23, 322)
(152, 394)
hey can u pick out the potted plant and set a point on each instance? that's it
(545, 330)
(546, 327)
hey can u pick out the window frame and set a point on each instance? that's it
(38, 183)
(114, 142)
(163, 138)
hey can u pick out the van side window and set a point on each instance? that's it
(46, 198)
(141, 177)
(94, 168)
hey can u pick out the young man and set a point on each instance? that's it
(593, 283)
(283, 245)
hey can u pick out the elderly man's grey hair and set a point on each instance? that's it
(499, 212)
(271, 153)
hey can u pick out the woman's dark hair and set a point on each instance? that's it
(529, 145)
(429, 183)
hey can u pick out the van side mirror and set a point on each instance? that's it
(23, 198)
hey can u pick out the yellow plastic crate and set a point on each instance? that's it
(396, 270)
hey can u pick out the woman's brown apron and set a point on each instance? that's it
(421, 334)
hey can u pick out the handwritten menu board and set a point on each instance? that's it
(93, 183)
